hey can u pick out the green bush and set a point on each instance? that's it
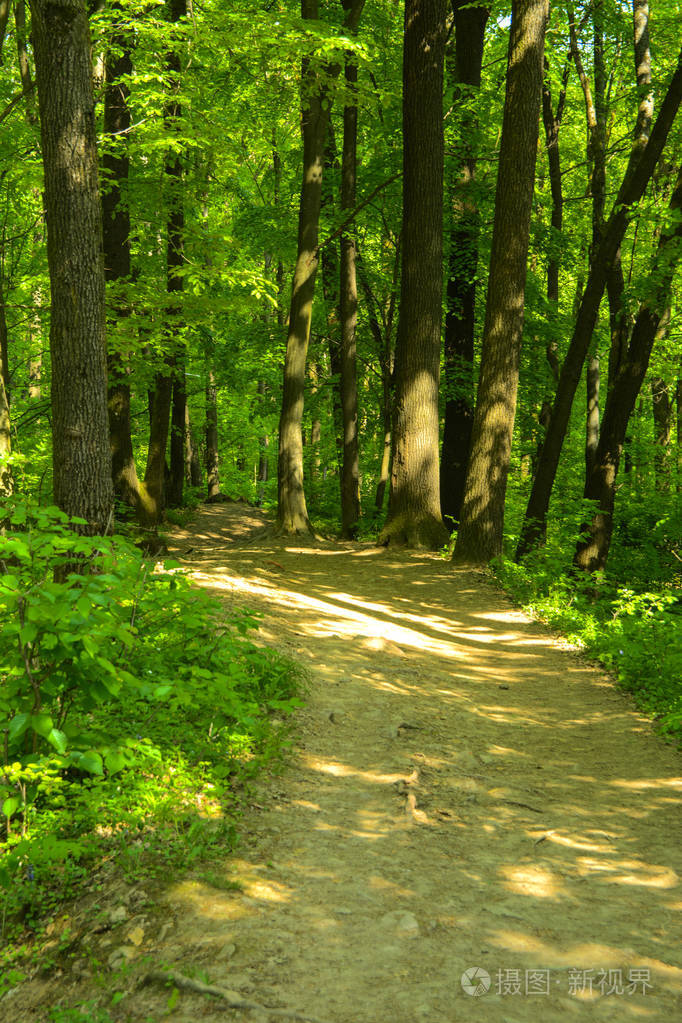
(108, 662)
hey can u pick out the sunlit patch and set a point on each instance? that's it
(642, 784)
(629, 872)
(209, 903)
(339, 770)
(532, 879)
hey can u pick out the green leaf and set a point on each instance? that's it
(18, 725)
(11, 806)
(115, 762)
(42, 724)
(91, 762)
(57, 739)
(83, 605)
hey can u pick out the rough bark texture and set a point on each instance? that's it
(414, 516)
(81, 458)
(212, 458)
(592, 417)
(348, 308)
(469, 25)
(116, 221)
(600, 486)
(643, 160)
(482, 520)
(6, 481)
(662, 408)
(175, 259)
(292, 512)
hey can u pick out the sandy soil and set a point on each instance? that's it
(464, 794)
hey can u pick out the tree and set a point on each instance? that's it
(292, 513)
(480, 534)
(81, 458)
(600, 486)
(414, 516)
(460, 318)
(641, 165)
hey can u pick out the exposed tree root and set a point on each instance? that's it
(232, 998)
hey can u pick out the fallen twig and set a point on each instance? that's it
(233, 998)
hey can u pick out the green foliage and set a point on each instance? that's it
(637, 636)
(127, 700)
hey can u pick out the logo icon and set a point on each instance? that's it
(475, 981)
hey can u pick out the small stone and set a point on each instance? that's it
(227, 951)
(503, 687)
(120, 956)
(404, 923)
(343, 911)
(136, 936)
(118, 915)
(336, 717)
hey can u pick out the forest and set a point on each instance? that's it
(395, 273)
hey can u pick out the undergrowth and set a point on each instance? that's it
(634, 629)
(133, 711)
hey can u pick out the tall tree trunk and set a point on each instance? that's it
(81, 459)
(663, 421)
(641, 165)
(22, 55)
(470, 23)
(212, 457)
(600, 486)
(482, 521)
(330, 263)
(175, 261)
(292, 513)
(116, 224)
(348, 307)
(6, 478)
(592, 418)
(192, 465)
(414, 515)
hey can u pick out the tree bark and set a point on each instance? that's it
(641, 165)
(212, 456)
(6, 477)
(600, 486)
(662, 408)
(414, 516)
(592, 418)
(481, 530)
(458, 345)
(116, 224)
(81, 457)
(292, 513)
(348, 308)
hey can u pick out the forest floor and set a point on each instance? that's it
(464, 793)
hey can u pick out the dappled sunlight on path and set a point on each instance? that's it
(463, 793)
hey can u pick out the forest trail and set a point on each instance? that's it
(463, 793)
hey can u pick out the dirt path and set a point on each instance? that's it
(463, 793)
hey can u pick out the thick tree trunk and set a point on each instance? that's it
(329, 260)
(212, 457)
(348, 307)
(592, 551)
(470, 23)
(482, 521)
(81, 457)
(643, 160)
(414, 515)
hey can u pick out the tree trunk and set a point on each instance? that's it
(81, 457)
(414, 516)
(600, 486)
(663, 421)
(470, 23)
(116, 224)
(292, 513)
(192, 465)
(348, 307)
(212, 457)
(643, 160)
(481, 530)
(592, 418)
(329, 259)
(6, 478)
(175, 260)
